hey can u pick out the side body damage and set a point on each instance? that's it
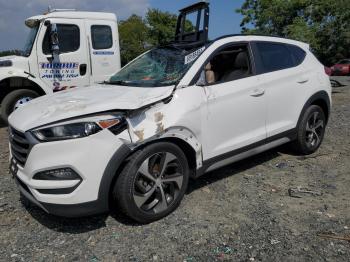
(172, 119)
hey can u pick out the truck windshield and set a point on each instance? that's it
(30, 41)
(162, 66)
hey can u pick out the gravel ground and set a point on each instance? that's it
(242, 213)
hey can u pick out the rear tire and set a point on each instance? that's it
(14, 99)
(152, 183)
(310, 132)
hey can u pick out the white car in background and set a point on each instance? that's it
(173, 113)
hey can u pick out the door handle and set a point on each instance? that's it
(258, 92)
(82, 69)
(303, 81)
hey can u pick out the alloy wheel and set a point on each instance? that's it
(158, 183)
(314, 130)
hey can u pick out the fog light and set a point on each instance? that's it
(57, 174)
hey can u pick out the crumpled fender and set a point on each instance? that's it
(159, 122)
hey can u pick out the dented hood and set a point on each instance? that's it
(84, 101)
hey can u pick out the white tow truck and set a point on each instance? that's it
(64, 49)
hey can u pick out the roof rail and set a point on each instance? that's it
(231, 35)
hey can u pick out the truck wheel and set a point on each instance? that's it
(152, 183)
(14, 100)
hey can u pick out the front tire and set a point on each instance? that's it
(310, 131)
(152, 183)
(15, 99)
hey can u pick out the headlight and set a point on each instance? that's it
(6, 63)
(76, 130)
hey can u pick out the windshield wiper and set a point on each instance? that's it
(118, 82)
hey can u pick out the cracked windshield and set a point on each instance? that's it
(159, 67)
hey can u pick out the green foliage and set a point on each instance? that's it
(133, 37)
(137, 35)
(161, 26)
(324, 24)
(10, 52)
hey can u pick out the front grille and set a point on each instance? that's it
(20, 146)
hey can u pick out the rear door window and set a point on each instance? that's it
(273, 57)
(101, 36)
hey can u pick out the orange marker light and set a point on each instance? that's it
(108, 123)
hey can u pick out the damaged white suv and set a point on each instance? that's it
(173, 113)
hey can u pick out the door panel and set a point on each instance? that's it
(283, 94)
(235, 116)
(69, 68)
(285, 80)
(104, 49)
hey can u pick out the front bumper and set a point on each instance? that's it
(95, 159)
(77, 210)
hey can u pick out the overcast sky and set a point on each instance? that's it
(13, 13)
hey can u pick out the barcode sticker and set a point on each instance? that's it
(193, 56)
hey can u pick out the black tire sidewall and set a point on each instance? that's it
(123, 189)
(302, 145)
(10, 100)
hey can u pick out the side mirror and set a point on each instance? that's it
(55, 47)
(202, 81)
(53, 37)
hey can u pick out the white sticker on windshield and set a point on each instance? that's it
(193, 56)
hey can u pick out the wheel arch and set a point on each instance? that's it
(320, 99)
(179, 136)
(9, 84)
(186, 148)
(185, 140)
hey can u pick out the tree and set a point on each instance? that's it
(10, 52)
(324, 24)
(133, 37)
(138, 35)
(161, 26)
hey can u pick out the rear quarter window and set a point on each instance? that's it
(298, 54)
(273, 57)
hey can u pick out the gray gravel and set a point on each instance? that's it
(242, 213)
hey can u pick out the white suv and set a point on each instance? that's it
(173, 113)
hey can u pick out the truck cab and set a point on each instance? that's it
(64, 49)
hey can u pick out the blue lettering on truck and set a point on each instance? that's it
(59, 71)
(68, 65)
